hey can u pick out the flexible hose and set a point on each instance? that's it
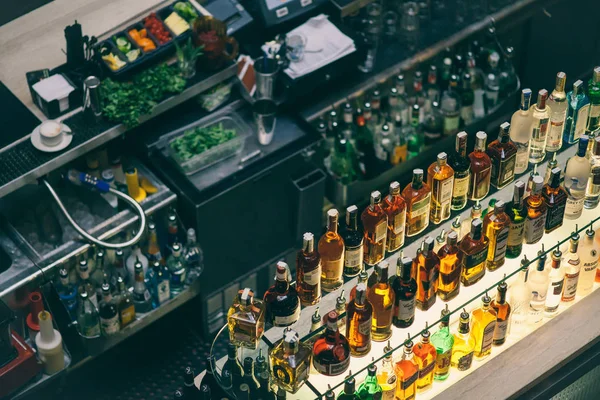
(134, 204)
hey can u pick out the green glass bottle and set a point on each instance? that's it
(370, 389)
(517, 213)
(349, 392)
(415, 137)
(443, 341)
(593, 120)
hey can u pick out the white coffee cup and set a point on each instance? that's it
(51, 133)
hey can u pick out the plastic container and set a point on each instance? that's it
(214, 154)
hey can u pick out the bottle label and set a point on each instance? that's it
(503, 171)
(499, 250)
(91, 330)
(421, 207)
(442, 190)
(281, 375)
(442, 363)
(480, 183)
(582, 115)
(451, 123)
(331, 369)
(534, 228)
(589, 267)
(488, 337)
(474, 260)
(110, 325)
(461, 185)
(555, 215)
(593, 118)
(467, 114)
(407, 383)
(405, 309)
(500, 330)
(593, 186)
(570, 285)
(288, 319)
(522, 159)
(163, 289)
(399, 221)
(515, 233)
(574, 207)
(426, 370)
(381, 231)
(127, 315)
(364, 328)
(464, 363)
(313, 277)
(557, 287)
(556, 130)
(332, 269)
(389, 394)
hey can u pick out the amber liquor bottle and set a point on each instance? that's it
(353, 242)
(374, 222)
(425, 356)
(428, 270)
(359, 318)
(417, 196)
(395, 208)
(503, 154)
(281, 300)
(381, 296)
(496, 226)
(503, 309)
(331, 250)
(331, 351)
(308, 272)
(474, 249)
(461, 165)
(483, 327)
(517, 213)
(481, 169)
(555, 197)
(407, 372)
(449, 279)
(440, 178)
(535, 222)
(405, 291)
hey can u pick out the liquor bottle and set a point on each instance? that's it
(449, 278)
(572, 268)
(142, 299)
(331, 250)
(67, 292)
(539, 128)
(382, 298)
(262, 375)
(136, 253)
(520, 131)
(588, 254)
(340, 308)
(473, 253)
(577, 174)
(417, 196)
(558, 108)
(593, 120)
(153, 248)
(308, 272)
(190, 391)
(432, 89)
(193, 256)
(119, 269)
(492, 81)
(418, 96)
(281, 300)
(386, 376)
(109, 315)
(503, 313)
(209, 379)
(315, 321)
(101, 272)
(403, 97)
(553, 163)
(503, 154)
(451, 106)
(520, 299)
(483, 327)
(529, 187)
(246, 320)
(517, 213)
(461, 165)
(290, 362)
(362, 278)
(440, 178)
(349, 392)
(577, 112)
(359, 319)
(425, 356)
(177, 269)
(464, 345)
(428, 270)
(248, 379)
(331, 351)
(536, 213)
(172, 229)
(88, 320)
(556, 283)
(367, 160)
(443, 341)
(407, 372)
(555, 198)
(467, 100)
(476, 213)
(161, 282)
(374, 221)
(125, 304)
(440, 240)
(370, 388)
(232, 367)
(394, 207)
(481, 169)
(85, 284)
(353, 241)
(398, 107)
(496, 226)
(538, 285)
(415, 135)
(592, 191)
(405, 290)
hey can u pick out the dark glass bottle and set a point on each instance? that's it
(405, 289)
(428, 270)
(331, 351)
(367, 161)
(462, 172)
(349, 392)
(281, 299)
(232, 367)
(190, 391)
(210, 380)
(248, 379)
(556, 200)
(503, 154)
(353, 242)
(261, 374)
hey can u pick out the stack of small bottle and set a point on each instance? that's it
(108, 291)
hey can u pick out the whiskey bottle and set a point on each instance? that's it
(558, 113)
(246, 320)
(572, 268)
(109, 314)
(503, 310)
(405, 290)
(374, 221)
(481, 169)
(428, 270)
(592, 191)
(450, 264)
(331, 351)
(142, 299)
(425, 356)
(556, 282)
(394, 207)
(308, 272)
(520, 131)
(353, 242)
(555, 198)
(588, 254)
(417, 196)
(464, 345)
(349, 392)
(538, 284)
(443, 341)
(517, 214)
(539, 128)
(440, 178)
(331, 250)
(124, 304)
(382, 297)
(386, 377)
(407, 372)
(496, 226)
(290, 362)
(462, 172)
(281, 300)
(473, 249)
(232, 367)
(503, 154)
(536, 213)
(362, 278)
(484, 325)
(359, 318)
(370, 388)
(577, 175)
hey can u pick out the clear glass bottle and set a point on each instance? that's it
(427, 273)
(370, 388)
(290, 362)
(281, 300)
(403, 97)
(142, 299)
(88, 320)
(520, 299)
(331, 250)
(246, 320)
(464, 344)
(407, 372)
(556, 282)
(467, 100)
(67, 292)
(577, 174)
(398, 107)
(483, 327)
(537, 212)
(405, 290)
(572, 268)
(496, 226)
(593, 120)
(417, 196)
(432, 89)
(451, 106)
(108, 312)
(539, 128)
(177, 269)
(558, 107)
(503, 313)
(394, 207)
(367, 160)
(578, 107)
(503, 154)
(386, 376)
(425, 356)
(359, 319)
(481, 169)
(86, 284)
(172, 229)
(382, 297)
(136, 253)
(331, 351)
(592, 191)
(440, 178)
(517, 213)
(374, 222)
(443, 341)
(555, 198)
(308, 271)
(125, 304)
(492, 82)
(449, 278)
(462, 172)
(473, 253)
(193, 256)
(588, 254)
(119, 269)
(538, 285)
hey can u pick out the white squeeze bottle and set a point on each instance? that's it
(49, 345)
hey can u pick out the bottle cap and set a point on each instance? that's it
(375, 197)
(476, 226)
(372, 369)
(561, 80)
(332, 213)
(248, 363)
(499, 207)
(63, 273)
(332, 318)
(583, 145)
(119, 253)
(504, 134)
(519, 192)
(428, 245)
(486, 299)
(538, 184)
(281, 271)
(105, 289)
(481, 138)
(442, 158)
(361, 293)
(137, 266)
(349, 384)
(246, 296)
(176, 249)
(555, 177)
(441, 238)
(452, 238)
(340, 301)
(596, 75)
(291, 339)
(394, 188)
(308, 240)
(83, 265)
(464, 316)
(188, 376)
(541, 100)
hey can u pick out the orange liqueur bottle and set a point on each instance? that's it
(331, 250)
(428, 269)
(407, 372)
(308, 272)
(417, 196)
(425, 355)
(395, 209)
(440, 178)
(449, 280)
(375, 224)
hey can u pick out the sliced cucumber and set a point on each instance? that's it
(133, 55)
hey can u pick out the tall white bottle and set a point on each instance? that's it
(49, 345)
(588, 254)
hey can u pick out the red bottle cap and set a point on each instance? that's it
(37, 305)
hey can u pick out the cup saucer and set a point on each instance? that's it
(37, 142)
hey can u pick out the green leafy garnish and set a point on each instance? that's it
(198, 140)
